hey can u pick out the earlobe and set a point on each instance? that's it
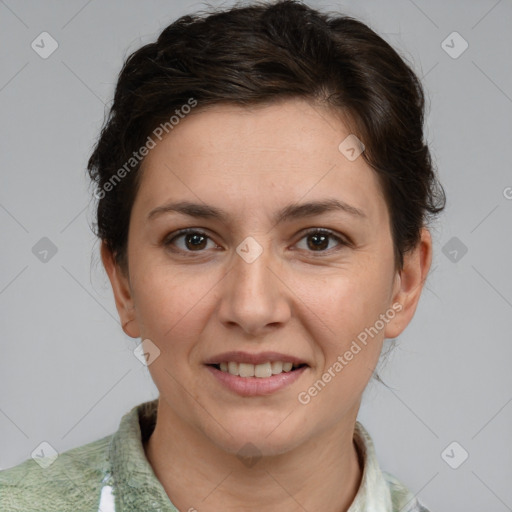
(409, 284)
(122, 292)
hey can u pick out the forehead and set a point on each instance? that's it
(258, 158)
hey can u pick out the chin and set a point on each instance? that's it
(259, 438)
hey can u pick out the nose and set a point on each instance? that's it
(254, 296)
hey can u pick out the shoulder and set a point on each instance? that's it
(402, 498)
(72, 481)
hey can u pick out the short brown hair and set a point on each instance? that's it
(258, 54)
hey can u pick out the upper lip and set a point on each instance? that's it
(259, 358)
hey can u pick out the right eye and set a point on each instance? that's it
(194, 240)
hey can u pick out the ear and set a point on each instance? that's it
(122, 292)
(409, 284)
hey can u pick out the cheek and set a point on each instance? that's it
(348, 303)
(170, 304)
(351, 345)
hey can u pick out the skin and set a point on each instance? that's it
(295, 299)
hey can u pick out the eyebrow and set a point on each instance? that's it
(290, 212)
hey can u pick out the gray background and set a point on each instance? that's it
(67, 370)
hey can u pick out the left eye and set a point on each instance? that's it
(320, 239)
(196, 241)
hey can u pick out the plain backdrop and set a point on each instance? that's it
(67, 370)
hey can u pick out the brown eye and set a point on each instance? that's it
(193, 240)
(318, 240)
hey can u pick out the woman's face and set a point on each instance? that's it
(255, 276)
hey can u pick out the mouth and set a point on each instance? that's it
(251, 380)
(258, 371)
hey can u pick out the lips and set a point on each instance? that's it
(255, 386)
(255, 374)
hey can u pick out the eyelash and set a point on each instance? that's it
(168, 240)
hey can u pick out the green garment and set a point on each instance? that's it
(113, 474)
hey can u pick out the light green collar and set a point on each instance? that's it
(136, 487)
(135, 484)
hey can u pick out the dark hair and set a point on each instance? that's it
(255, 55)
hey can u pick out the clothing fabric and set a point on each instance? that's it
(113, 474)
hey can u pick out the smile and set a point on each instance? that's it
(253, 385)
(261, 371)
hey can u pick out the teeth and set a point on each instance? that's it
(287, 367)
(263, 370)
(277, 367)
(246, 370)
(256, 370)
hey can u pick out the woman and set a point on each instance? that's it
(263, 192)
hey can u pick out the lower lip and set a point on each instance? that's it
(256, 386)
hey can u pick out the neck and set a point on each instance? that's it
(322, 474)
